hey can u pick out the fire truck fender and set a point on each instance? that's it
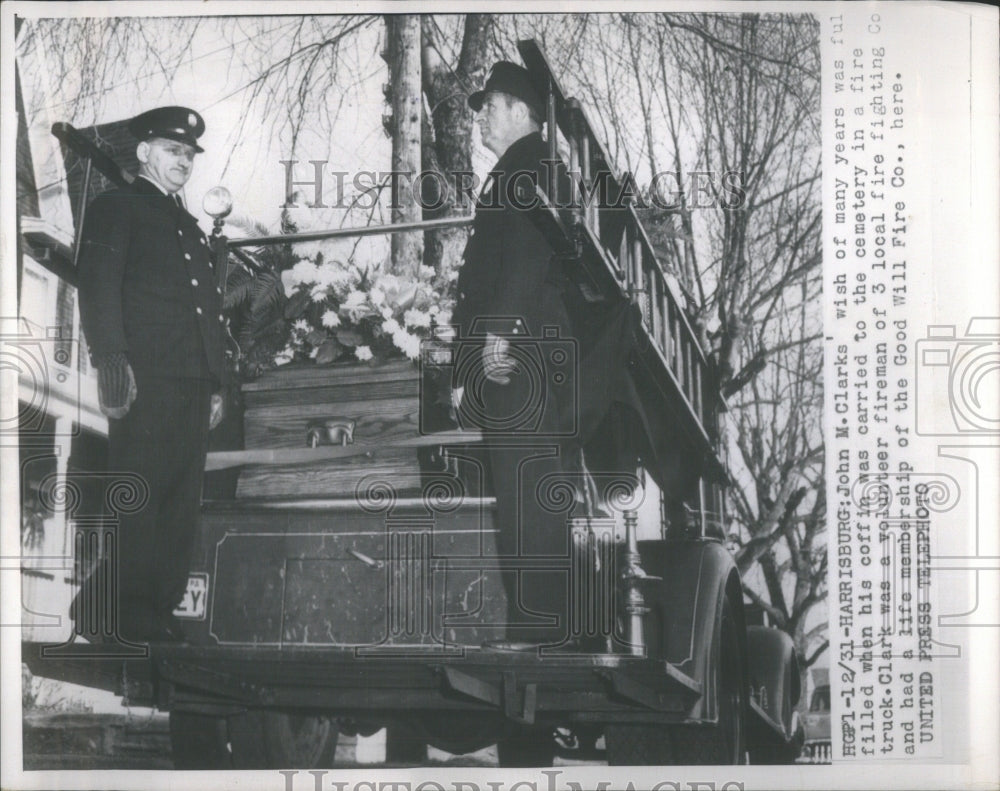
(774, 673)
(685, 618)
(775, 735)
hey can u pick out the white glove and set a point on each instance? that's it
(218, 411)
(497, 362)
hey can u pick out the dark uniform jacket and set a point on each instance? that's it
(507, 284)
(510, 284)
(147, 285)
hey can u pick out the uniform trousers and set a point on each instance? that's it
(163, 439)
(526, 461)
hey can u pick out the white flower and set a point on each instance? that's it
(356, 306)
(363, 353)
(388, 282)
(304, 272)
(386, 312)
(391, 326)
(331, 274)
(416, 318)
(289, 282)
(378, 297)
(425, 272)
(308, 249)
(354, 300)
(404, 296)
(313, 352)
(407, 343)
(331, 319)
(443, 316)
(318, 293)
(301, 326)
(284, 356)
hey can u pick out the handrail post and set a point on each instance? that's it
(553, 129)
(635, 603)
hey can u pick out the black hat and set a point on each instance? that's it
(509, 78)
(173, 123)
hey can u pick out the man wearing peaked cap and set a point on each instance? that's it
(169, 123)
(152, 318)
(510, 296)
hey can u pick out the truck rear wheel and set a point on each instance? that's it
(627, 744)
(403, 745)
(726, 742)
(199, 741)
(526, 747)
(305, 741)
(278, 740)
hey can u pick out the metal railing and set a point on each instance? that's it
(619, 253)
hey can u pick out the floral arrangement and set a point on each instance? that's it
(345, 311)
(296, 303)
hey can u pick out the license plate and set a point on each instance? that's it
(195, 600)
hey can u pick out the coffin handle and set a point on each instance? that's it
(330, 431)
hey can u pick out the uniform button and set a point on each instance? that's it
(221, 319)
(461, 295)
(187, 256)
(194, 281)
(202, 240)
(198, 311)
(180, 232)
(218, 290)
(211, 265)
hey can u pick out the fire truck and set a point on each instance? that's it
(347, 579)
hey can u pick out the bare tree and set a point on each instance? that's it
(451, 73)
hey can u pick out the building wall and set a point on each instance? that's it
(62, 431)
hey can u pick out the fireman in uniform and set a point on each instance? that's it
(152, 317)
(512, 321)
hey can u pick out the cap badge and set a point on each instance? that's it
(192, 121)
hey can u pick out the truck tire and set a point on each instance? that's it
(724, 743)
(302, 741)
(526, 747)
(261, 739)
(627, 744)
(404, 745)
(199, 741)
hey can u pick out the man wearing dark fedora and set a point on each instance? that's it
(509, 315)
(152, 318)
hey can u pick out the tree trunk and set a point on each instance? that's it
(448, 130)
(406, 100)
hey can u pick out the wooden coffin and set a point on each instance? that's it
(293, 406)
